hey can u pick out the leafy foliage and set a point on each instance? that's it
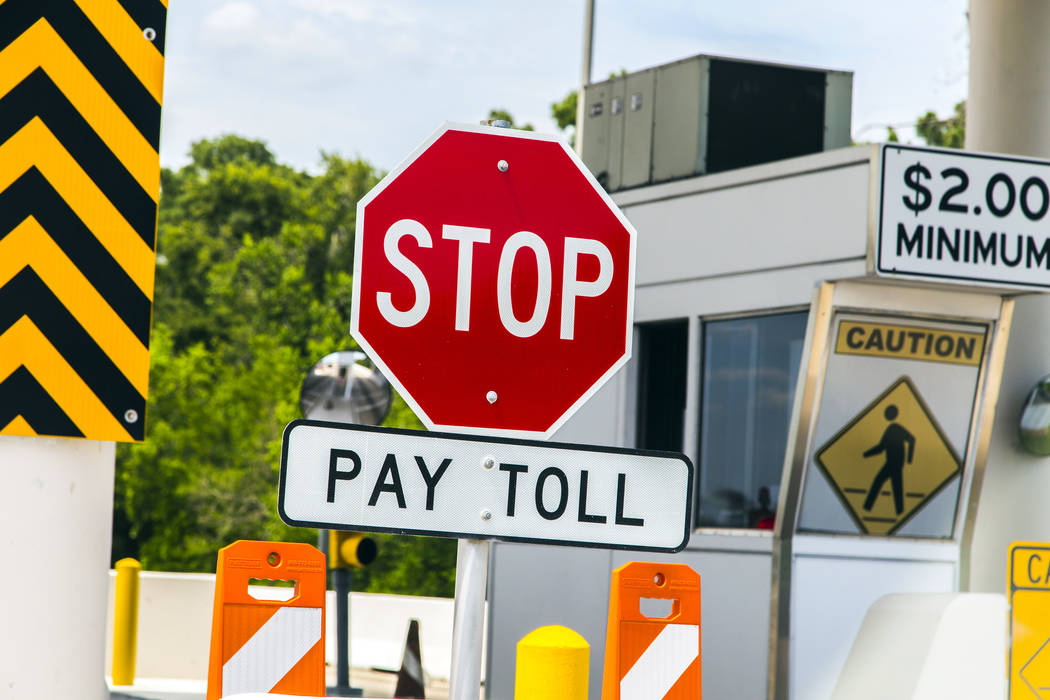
(253, 286)
(948, 133)
(564, 114)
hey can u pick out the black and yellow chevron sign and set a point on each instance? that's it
(80, 95)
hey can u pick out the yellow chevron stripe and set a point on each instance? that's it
(30, 245)
(41, 47)
(34, 144)
(24, 344)
(18, 424)
(126, 39)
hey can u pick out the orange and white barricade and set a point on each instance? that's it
(650, 658)
(262, 646)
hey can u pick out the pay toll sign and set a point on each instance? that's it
(354, 477)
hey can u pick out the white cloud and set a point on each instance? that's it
(232, 19)
(378, 12)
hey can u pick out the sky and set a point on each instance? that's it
(372, 79)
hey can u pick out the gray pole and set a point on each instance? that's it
(585, 70)
(1008, 111)
(341, 584)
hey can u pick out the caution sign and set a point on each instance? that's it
(1028, 579)
(889, 460)
(80, 97)
(910, 342)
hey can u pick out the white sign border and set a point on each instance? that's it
(690, 474)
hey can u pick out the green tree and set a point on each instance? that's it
(564, 114)
(253, 286)
(948, 133)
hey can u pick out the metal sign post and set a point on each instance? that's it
(468, 623)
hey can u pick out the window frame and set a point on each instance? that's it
(695, 395)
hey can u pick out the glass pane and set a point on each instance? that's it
(750, 367)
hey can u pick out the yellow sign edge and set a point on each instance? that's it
(904, 379)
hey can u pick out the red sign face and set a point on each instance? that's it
(493, 281)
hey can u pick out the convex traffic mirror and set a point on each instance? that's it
(340, 388)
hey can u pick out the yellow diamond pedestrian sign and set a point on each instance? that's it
(889, 461)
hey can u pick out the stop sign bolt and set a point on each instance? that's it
(491, 397)
(503, 166)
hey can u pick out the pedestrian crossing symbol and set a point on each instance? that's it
(889, 461)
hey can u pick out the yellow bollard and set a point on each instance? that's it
(125, 621)
(553, 664)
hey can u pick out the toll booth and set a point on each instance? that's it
(838, 402)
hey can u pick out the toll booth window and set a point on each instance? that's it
(749, 371)
(661, 384)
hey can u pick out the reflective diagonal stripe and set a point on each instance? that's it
(272, 651)
(24, 346)
(662, 663)
(125, 36)
(148, 15)
(17, 426)
(35, 146)
(91, 49)
(31, 195)
(40, 48)
(82, 300)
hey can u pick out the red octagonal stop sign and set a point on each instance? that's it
(493, 281)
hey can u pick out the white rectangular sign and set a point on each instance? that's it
(967, 217)
(352, 477)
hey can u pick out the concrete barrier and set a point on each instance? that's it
(174, 627)
(932, 646)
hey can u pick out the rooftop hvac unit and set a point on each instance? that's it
(707, 114)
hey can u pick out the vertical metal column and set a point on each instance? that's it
(1009, 94)
(472, 568)
(1008, 111)
(341, 583)
(585, 70)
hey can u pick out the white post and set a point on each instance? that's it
(56, 515)
(472, 570)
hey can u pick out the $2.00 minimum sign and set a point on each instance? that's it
(351, 477)
(967, 217)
